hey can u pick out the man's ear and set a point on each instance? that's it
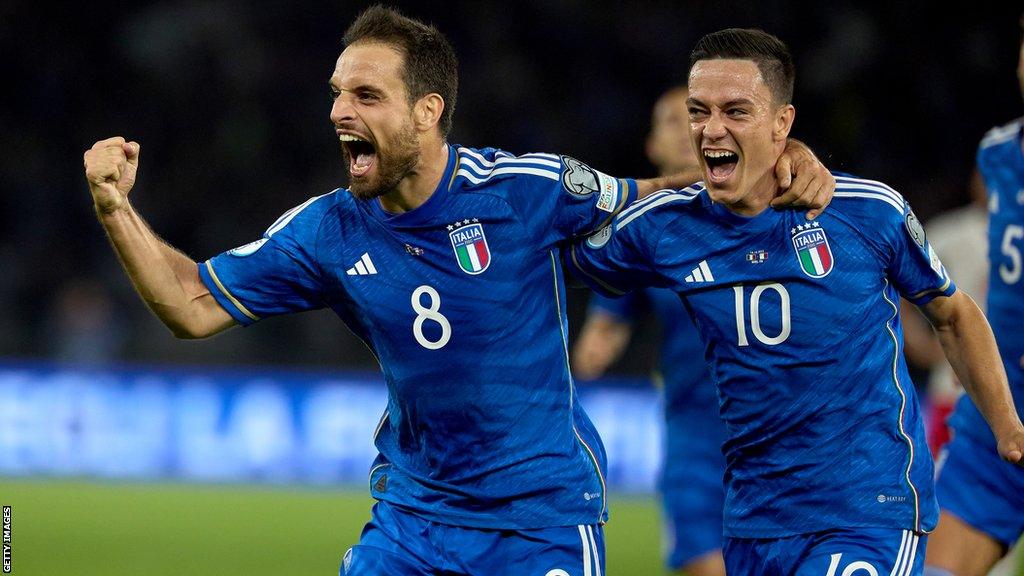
(784, 118)
(426, 112)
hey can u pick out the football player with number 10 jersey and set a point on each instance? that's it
(827, 469)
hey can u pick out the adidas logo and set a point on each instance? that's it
(363, 267)
(702, 273)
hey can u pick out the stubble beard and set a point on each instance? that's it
(392, 166)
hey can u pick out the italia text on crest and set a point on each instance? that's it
(470, 245)
(812, 249)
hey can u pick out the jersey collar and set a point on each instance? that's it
(765, 218)
(423, 213)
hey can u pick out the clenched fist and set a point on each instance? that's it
(110, 168)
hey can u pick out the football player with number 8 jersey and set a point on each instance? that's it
(827, 469)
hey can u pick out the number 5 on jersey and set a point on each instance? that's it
(431, 312)
(1011, 274)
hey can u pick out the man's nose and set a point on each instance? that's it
(342, 110)
(714, 128)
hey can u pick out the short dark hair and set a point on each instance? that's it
(430, 62)
(769, 53)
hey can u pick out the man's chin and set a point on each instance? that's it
(721, 194)
(384, 177)
(715, 189)
(364, 190)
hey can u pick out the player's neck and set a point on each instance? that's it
(419, 185)
(762, 187)
(758, 197)
(766, 189)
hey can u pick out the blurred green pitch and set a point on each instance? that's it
(90, 528)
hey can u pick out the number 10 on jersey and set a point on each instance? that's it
(755, 314)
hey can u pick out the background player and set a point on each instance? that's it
(692, 464)
(960, 238)
(828, 470)
(442, 259)
(980, 496)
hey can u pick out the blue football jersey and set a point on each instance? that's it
(800, 323)
(1001, 164)
(462, 302)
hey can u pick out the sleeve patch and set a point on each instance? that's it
(915, 229)
(917, 234)
(578, 178)
(600, 238)
(609, 198)
(936, 264)
(248, 249)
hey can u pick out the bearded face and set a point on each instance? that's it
(374, 168)
(373, 117)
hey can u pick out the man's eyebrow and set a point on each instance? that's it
(738, 102)
(360, 88)
(729, 104)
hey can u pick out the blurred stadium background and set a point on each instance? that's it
(123, 450)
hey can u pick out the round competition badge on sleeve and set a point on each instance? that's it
(916, 231)
(578, 178)
(600, 238)
(248, 249)
(582, 180)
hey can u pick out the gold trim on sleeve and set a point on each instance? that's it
(242, 309)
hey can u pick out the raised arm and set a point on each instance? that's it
(970, 347)
(167, 280)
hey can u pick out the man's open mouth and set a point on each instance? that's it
(361, 153)
(721, 163)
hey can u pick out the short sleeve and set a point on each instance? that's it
(566, 199)
(276, 274)
(915, 268)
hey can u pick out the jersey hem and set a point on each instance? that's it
(473, 520)
(778, 535)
